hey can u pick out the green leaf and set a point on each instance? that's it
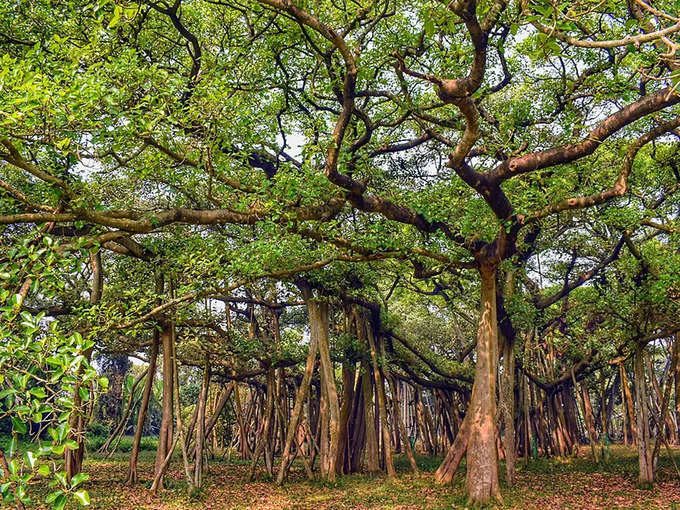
(84, 393)
(83, 497)
(12, 447)
(78, 479)
(117, 11)
(61, 478)
(44, 470)
(52, 496)
(62, 431)
(71, 444)
(38, 392)
(30, 458)
(18, 426)
(60, 502)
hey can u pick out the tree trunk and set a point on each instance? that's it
(676, 376)
(130, 404)
(143, 408)
(646, 474)
(318, 317)
(268, 421)
(630, 409)
(371, 452)
(165, 435)
(482, 462)
(380, 391)
(477, 434)
(222, 399)
(200, 426)
(587, 411)
(341, 464)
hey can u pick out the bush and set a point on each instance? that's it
(148, 443)
(98, 430)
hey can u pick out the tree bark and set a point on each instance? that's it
(371, 451)
(477, 434)
(141, 416)
(482, 462)
(165, 435)
(676, 376)
(318, 316)
(630, 408)
(268, 421)
(646, 469)
(380, 391)
(341, 462)
(587, 411)
(200, 426)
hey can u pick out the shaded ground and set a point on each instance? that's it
(542, 484)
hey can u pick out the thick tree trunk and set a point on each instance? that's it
(357, 425)
(341, 460)
(646, 474)
(371, 452)
(477, 434)
(178, 437)
(482, 462)
(318, 316)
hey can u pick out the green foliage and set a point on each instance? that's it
(40, 368)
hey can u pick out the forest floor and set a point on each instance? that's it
(542, 484)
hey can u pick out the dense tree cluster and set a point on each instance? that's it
(336, 230)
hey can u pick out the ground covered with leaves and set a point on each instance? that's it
(541, 484)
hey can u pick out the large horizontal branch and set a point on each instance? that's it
(571, 152)
(620, 186)
(138, 222)
(608, 44)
